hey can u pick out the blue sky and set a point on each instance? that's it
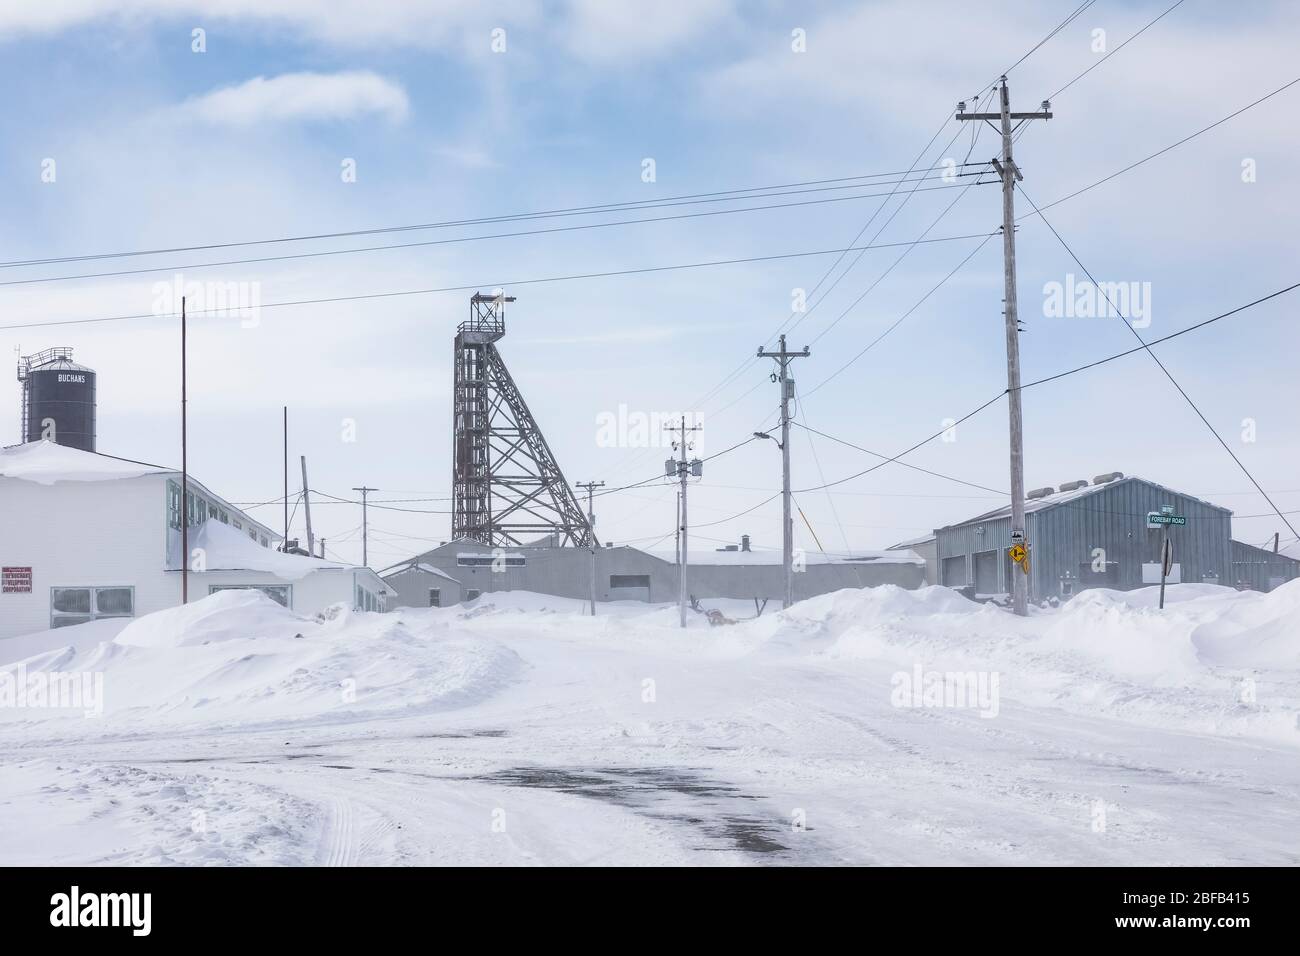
(158, 146)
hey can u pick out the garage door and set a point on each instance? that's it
(986, 572)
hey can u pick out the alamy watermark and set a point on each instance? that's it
(214, 299)
(53, 690)
(955, 689)
(627, 428)
(1085, 299)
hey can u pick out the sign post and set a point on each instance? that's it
(1164, 519)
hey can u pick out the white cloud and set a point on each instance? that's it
(599, 30)
(300, 96)
(407, 23)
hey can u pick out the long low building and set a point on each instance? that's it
(462, 570)
(85, 536)
(1104, 534)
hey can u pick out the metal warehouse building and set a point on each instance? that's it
(464, 569)
(1099, 535)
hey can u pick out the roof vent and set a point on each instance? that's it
(1108, 478)
(1039, 493)
(1074, 485)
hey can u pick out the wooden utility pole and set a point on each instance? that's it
(284, 544)
(782, 376)
(683, 469)
(365, 527)
(1010, 173)
(185, 472)
(306, 507)
(589, 487)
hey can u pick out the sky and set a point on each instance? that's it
(130, 131)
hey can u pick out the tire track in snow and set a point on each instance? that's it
(340, 846)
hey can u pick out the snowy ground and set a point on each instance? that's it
(519, 731)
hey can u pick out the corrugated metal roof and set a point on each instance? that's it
(1068, 497)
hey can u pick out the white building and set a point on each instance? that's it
(85, 536)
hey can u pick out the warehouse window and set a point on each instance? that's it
(238, 525)
(264, 542)
(435, 597)
(472, 593)
(629, 580)
(281, 594)
(488, 560)
(69, 606)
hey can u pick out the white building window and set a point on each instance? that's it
(69, 606)
(281, 594)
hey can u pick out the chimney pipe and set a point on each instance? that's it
(744, 542)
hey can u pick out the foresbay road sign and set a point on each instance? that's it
(1154, 519)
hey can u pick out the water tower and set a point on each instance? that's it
(58, 399)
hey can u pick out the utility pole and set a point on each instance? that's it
(365, 528)
(782, 375)
(306, 504)
(683, 469)
(284, 545)
(589, 487)
(185, 472)
(1010, 173)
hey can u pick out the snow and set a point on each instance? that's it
(228, 549)
(517, 730)
(45, 462)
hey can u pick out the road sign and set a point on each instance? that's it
(1167, 558)
(1156, 520)
(1018, 553)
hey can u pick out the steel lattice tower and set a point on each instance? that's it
(506, 484)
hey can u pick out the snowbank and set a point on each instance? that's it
(238, 658)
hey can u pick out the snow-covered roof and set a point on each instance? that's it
(45, 462)
(227, 549)
(1066, 497)
(911, 542)
(417, 566)
(774, 557)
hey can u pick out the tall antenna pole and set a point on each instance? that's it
(783, 360)
(589, 487)
(365, 527)
(185, 471)
(306, 507)
(1010, 173)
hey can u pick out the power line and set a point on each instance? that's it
(899, 321)
(1061, 26)
(1163, 338)
(685, 199)
(481, 285)
(459, 239)
(1147, 348)
(907, 451)
(876, 454)
(1116, 50)
(1171, 146)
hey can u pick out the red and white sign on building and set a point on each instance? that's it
(15, 580)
